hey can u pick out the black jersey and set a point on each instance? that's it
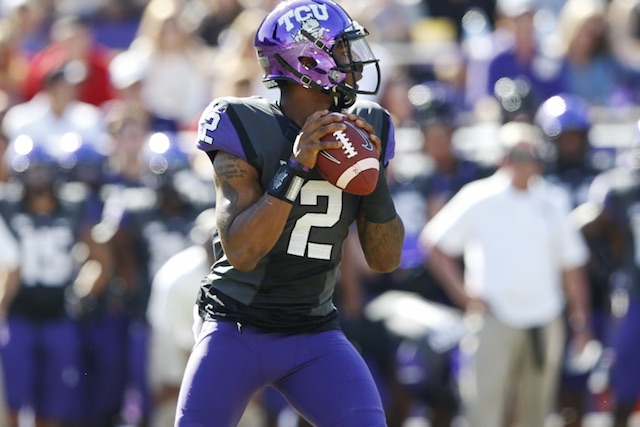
(156, 234)
(48, 262)
(622, 202)
(291, 288)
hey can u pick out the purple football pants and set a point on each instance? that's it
(321, 375)
(42, 367)
(105, 376)
(626, 343)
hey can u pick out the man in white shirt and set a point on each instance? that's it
(519, 248)
(56, 111)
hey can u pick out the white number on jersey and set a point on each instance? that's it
(299, 242)
(46, 255)
(208, 124)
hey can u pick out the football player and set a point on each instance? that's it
(266, 310)
(101, 313)
(42, 357)
(565, 120)
(157, 218)
(612, 214)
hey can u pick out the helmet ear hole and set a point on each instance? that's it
(308, 62)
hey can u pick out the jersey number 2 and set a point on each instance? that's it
(299, 243)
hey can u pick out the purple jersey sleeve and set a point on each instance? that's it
(391, 144)
(216, 131)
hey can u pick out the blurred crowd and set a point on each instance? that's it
(106, 206)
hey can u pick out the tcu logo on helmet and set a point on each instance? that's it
(302, 14)
(311, 26)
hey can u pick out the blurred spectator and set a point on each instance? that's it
(13, 67)
(128, 129)
(594, 72)
(115, 23)
(4, 145)
(217, 17)
(395, 98)
(30, 22)
(624, 20)
(175, 86)
(437, 112)
(392, 19)
(128, 71)
(72, 41)
(514, 269)
(515, 99)
(517, 54)
(55, 111)
(455, 10)
(235, 70)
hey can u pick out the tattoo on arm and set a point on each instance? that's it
(229, 168)
(380, 238)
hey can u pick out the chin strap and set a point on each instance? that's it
(342, 98)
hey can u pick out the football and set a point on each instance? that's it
(354, 167)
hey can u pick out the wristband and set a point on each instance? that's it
(298, 166)
(287, 182)
(378, 206)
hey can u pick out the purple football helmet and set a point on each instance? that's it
(31, 165)
(303, 41)
(562, 113)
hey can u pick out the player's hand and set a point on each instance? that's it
(579, 340)
(475, 305)
(308, 142)
(367, 128)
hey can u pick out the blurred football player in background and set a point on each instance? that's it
(101, 313)
(158, 212)
(565, 121)
(267, 313)
(170, 315)
(612, 214)
(58, 263)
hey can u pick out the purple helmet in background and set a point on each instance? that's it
(301, 41)
(81, 161)
(31, 165)
(562, 113)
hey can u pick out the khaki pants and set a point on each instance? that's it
(499, 360)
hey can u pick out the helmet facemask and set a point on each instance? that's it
(353, 47)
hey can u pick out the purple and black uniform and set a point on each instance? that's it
(622, 204)
(277, 325)
(42, 355)
(157, 224)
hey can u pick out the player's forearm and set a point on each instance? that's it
(381, 243)
(248, 220)
(9, 286)
(254, 232)
(380, 229)
(576, 291)
(449, 274)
